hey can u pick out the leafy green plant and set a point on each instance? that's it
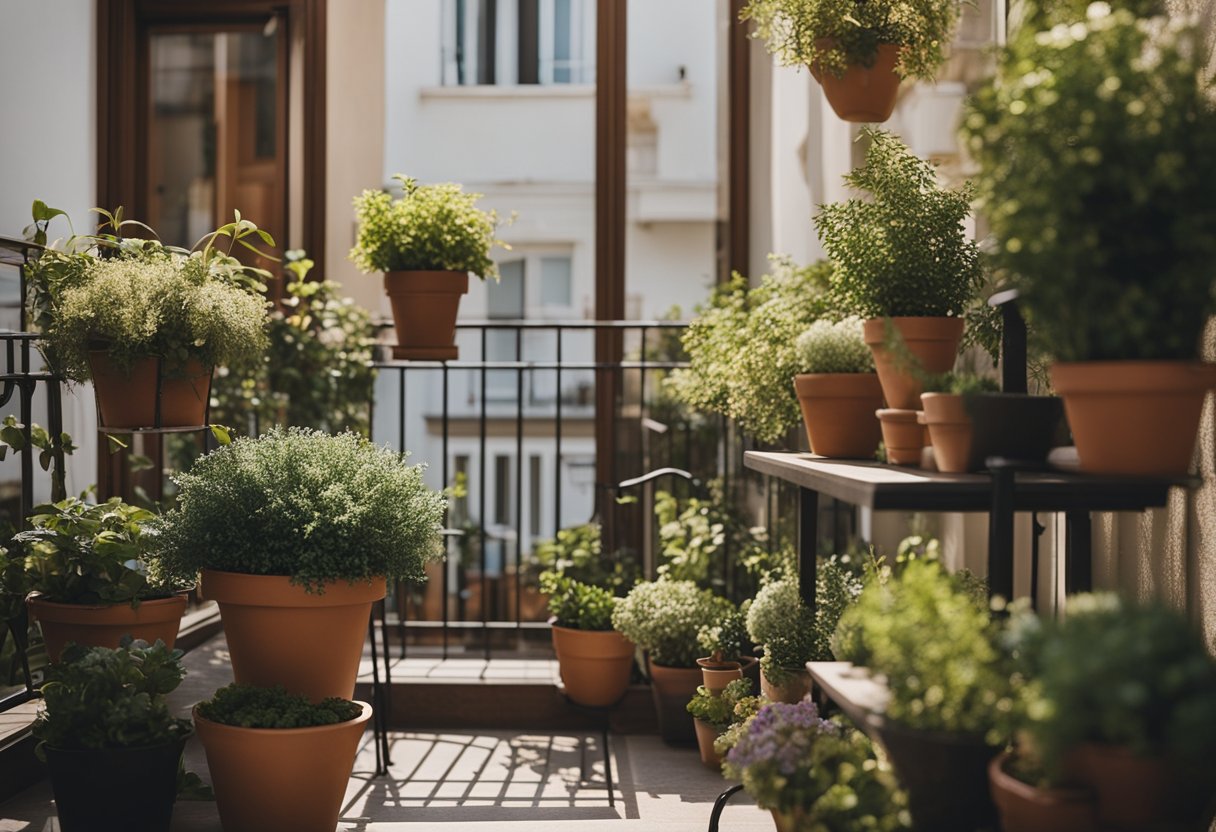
(718, 709)
(1037, 15)
(111, 698)
(431, 227)
(578, 553)
(664, 617)
(248, 706)
(828, 347)
(301, 503)
(78, 553)
(902, 251)
(577, 605)
(727, 639)
(960, 384)
(51, 449)
(1112, 251)
(832, 34)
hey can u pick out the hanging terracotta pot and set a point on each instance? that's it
(424, 306)
(129, 400)
(837, 409)
(864, 94)
(595, 665)
(115, 788)
(279, 634)
(933, 342)
(280, 779)
(950, 431)
(902, 436)
(1026, 808)
(1134, 417)
(792, 690)
(104, 625)
(672, 688)
(716, 675)
(706, 734)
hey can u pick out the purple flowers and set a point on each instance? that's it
(782, 735)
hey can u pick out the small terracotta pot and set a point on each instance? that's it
(932, 341)
(672, 688)
(950, 431)
(278, 634)
(1133, 793)
(595, 664)
(1025, 808)
(1134, 417)
(902, 435)
(706, 734)
(280, 780)
(129, 400)
(863, 94)
(717, 675)
(792, 691)
(104, 625)
(425, 304)
(836, 409)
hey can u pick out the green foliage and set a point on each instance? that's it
(577, 605)
(248, 706)
(960, 384)
(718, 709)
(578, 553)
(51, 449)
(741, 348)
(828, 347)
(1037, 15)
(664, 617)
(745, 709)
(1096, 143)
(903, 251)
(77, 553)
(111, 698)
(298, 502)
(856, 27)
(431, 227)
(726, 639)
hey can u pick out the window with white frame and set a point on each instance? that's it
(508, 42)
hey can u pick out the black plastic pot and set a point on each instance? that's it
(115, 788)
(1014, 426)
(946, 776)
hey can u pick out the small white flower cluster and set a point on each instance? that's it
(828, 347)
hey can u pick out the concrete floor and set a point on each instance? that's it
(463, 781)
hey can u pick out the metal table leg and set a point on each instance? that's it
(808, 543)
(1000, 531)
(1078, 553)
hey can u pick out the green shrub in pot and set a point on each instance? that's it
(595, 661)
(838, 390)
(834, 347)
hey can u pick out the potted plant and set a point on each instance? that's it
(663, 618)
(725, 660)
(946, 415)
(110, 741)
(295, 534)
(1112, 252)
(713, 711)
(858, 50)
(812, 773)
(838, 390)
(426, 242)
(85, 568)
(903, 262)
(278, 762)
(595, 661)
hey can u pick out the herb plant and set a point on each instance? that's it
(828, 347)
(297, 502)
(718, 709)
(903, 250)
(1096, 143)
(578, 553)
(726, 639)
(664, 617)
(577, 605)
(248, 706)
(430, 227)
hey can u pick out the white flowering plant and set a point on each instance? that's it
(828, 347)
(664, 618)
(1096, 142)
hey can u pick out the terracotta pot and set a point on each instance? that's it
(932, 341)
(115, 788)
(706, 734)
(1133, 793)
(104, 625)
(950, 431)
(278, 634)
(791, 691)
(902, 436)
(717, 675)
(1134, 417)
(1025, 808)
(595, 665)
(863, 94)
(129, 400)
(836, 409)
(1014, 426)
(280, 780)
(786, 821)
(672, 688)
(424, 305)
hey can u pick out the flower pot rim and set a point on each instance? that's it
(998, 774)
(243, 588)
(286, 732)
(178, 597)
(741, 663)
(551, 623)
(897, 415)
(121, 749)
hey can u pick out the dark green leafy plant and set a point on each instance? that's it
(577, 605)
(578, 553)
(664, 617)
(248, 706)
(960, 384)
(902, 251)
(51, 449)
(727, 639)
(296, 502)
(719, 709)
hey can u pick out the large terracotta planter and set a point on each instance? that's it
(902, 436)
(595, 665)
(105, 625)
(672, 688)
(838, 411)
(115, 788)
(280, 780)
(715, 676)
(933, 342)
(706, 734)
(1025, 808)
(1013, 426)
(793, 690)
(1134, 793)
(130, 401)
(950, 430)
(865, 94)
(278, 634)
(1134, 417)
(424, 306)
